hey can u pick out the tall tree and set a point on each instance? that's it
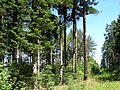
(110, 47)
(85, 42)
(65, 22)
(87, 8)
(61, 54)
(74, 37)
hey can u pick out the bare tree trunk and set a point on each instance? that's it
(17, 54)
(35, 70)
(48, 56)
(74, 38)
(38, 59)
(61, 55)
(56, 54)
(51, 59)
(34, 61)
(65, 37)
(85, 43)
(30, 58)
(20, 55)
(14, 54)
(38, 69)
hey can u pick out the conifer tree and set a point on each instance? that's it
(87, 8)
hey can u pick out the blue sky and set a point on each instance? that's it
(109, 10)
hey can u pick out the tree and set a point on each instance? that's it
(87, 8)
(84, 40)
(61, 55)
(74, 38)
(65, 22)
(111, 45)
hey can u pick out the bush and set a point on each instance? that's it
(48, 77)
(7, 82)
(93, 67)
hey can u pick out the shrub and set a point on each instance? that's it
(48, 77)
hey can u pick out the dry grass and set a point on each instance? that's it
(61, 87)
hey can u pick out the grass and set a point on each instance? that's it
(90, 84)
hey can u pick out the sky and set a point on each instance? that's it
(109, 11)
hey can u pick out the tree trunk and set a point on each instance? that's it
(74, 38)
(34, 62)
(17, 54)
(38, 59)
(65, 37)
(35, 56)
(56, 54)
(30, 58)
(85, 43)
(15, 15)
(35, 70)
(48, 56)
(1, 39)
(20, 55)
(61, 55)
(51, 59)
(14, 54)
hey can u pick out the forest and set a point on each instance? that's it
(37, 52)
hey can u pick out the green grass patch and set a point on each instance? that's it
(91, 84)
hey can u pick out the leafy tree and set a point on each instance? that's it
(111, 44)
(110, 49)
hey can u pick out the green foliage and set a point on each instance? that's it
(5, 82)
(91, 45)
(91, 84)
(106, 75)
(110, 49)
(8, 82)
(27, 26)
(68, 75)
(49, 76)
(22, 74)
(93, 67)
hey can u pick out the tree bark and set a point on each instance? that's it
(35, 69)
(38, 61)
(20, 55)
(51, 58)
(74, 38)
(65, 37)
(61, 55)
(85, 43)
(34, 63)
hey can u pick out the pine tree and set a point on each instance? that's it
(87, 8)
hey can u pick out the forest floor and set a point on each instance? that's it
(90, 84)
